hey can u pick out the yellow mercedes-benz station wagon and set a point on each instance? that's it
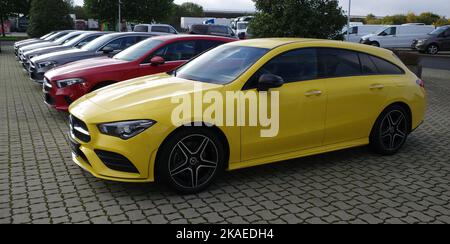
(318, 95)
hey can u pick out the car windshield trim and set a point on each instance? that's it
(237, 59)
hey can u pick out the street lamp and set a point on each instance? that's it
(120, 19)
(348, 20)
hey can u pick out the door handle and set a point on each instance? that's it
(377, 86)
(313, 92)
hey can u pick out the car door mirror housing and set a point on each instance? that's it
(107, 50)
(157, 60)
(268, 81)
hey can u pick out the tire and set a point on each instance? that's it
(390, 131)
(191, 159)
(375, 44)
(432, 49)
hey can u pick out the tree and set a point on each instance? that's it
(80, 12)
(144, 11)
(442, 22)
(187, 9)
(397, 19)
(411, 18)
(47, 16)
(298, 18)
(13, 7)
(371, 19)
(428, 18)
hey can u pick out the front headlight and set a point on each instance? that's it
(69, 82)
(125, 129)
(421, 41)
(46, 64)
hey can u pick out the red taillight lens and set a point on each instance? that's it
(420, 83)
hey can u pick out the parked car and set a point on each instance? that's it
(397, 36)
(107, 45)
(36, 39)
(156, 29)
(77, 42)
(241, 27)
(214, 30)
(357, 32)
(247, 34)
(58, 42)
(327, 89)
(49, 38)
(67, 83)
(438, 40)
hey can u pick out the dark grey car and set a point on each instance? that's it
(438, 40)
(77, 42)
(49, 38)
(107, 45)
(213, 30)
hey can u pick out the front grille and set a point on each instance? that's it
(116, 161)
(79, 129)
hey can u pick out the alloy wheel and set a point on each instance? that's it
(433, 49)
(193, 161)
(393, 130)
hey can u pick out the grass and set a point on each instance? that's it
(12, 38)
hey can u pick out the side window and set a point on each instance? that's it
(115, 45)
(367, 65)
(86, 41)
(389, 31)
(172, 30)
(206, 45)
(338, 63)
(184, 50)
(386, 68)
(128, 42)
(292, 66)
(447, 33)
(141, 28)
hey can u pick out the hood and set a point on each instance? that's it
(71, 54)
(142, 95)
(19, 45)
(76, 69)
(38, 45)
(45, 50)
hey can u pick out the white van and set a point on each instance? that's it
(397, 36)
(157, 29)
(358, 31)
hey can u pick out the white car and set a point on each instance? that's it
(357, 32)
(397, 36)
(157, 29)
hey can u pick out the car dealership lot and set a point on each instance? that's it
(39, 183)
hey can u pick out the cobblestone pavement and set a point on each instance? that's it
(40, 184)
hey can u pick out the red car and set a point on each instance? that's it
(67, 83)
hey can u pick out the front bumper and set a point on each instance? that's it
(365, 41)
(61, 98)
(37, 74)
(139, 151)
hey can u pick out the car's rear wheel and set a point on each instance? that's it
(432, 49)
(390, 130)
(191, 159)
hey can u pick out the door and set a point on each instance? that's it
(446, 40)
(388, 38)
(358, 87)
(175, 54)
(302, 103)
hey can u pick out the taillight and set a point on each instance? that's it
(420, 83)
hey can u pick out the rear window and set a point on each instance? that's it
(141, 28)
(219, 29)
(385, 67)
(199, 29)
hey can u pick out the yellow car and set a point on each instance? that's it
(322, 96)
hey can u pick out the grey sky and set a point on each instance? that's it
(359, 7)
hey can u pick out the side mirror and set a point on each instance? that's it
(268, 81)
(157, 60)
(107, 50)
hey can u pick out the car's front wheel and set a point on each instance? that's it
(432, 49)
(191, 159)
(390, 130)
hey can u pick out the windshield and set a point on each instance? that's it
(66, 38)
(134, 52)
(221, 65)
(97, 43)
(439, 31)
(242, 26)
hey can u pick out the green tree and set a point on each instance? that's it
(371, 19)
(442, 22)
(13, 7)
(397, 19)
(80, 12)
(428, 18)
(144, 11)
(411, 18)
(187, 9)
(48, 15)
(298, 18)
